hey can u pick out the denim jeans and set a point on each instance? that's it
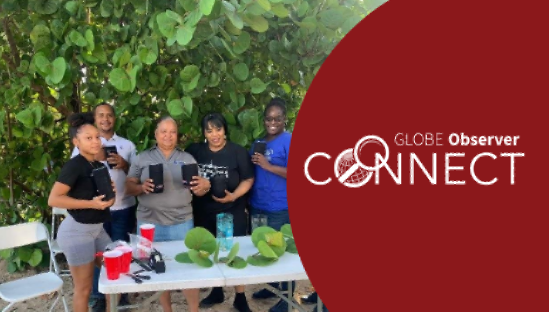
(122, 222)
(276, 219)
(169, 232)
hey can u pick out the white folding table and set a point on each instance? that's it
(189, 276)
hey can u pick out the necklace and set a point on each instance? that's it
(91, 163)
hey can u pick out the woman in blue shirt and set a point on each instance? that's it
(268, 194)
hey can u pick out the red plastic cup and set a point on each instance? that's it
(126, 258)
(147, 231)
(112, 263)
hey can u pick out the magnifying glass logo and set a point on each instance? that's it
(359, 172)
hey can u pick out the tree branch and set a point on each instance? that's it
(11, 200)
(9, 62)
(50, 100)
(25, 188)
(11, 41)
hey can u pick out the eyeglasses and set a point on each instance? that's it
(278, 119)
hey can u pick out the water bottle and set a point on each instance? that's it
(225, 231)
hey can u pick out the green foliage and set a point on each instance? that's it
(200, 239)
(270, 244)
(286, 230)
(259, 260)
(238, 263)
(183, 258)
(149, 58)
(232, 260)
(201, 244)
(216, 254)
(200, 258)
(290, 246)
(232, 254)
(21, 258)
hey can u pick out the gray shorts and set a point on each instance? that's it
(80, 242)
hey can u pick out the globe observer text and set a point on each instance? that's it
(431, 139)
(342, 171)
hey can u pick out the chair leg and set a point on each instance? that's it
(62, 293)
(65, 304)
(8, 307)
(56, 300)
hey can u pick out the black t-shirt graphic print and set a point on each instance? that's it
(232, 161)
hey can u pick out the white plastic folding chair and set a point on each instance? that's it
(54, 245)
(36, 285)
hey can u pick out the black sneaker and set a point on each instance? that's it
(240, 303)
(280, 306)
(215, 297)
(263, 294)
(98, 305)
(312, 298)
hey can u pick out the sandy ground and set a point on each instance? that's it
(179, 303)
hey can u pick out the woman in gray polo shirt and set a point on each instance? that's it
(171, 210)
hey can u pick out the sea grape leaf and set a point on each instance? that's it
(291, 247)
(200, 238)
(275, 239)
(238, 263)
(183, 258)
(265, 250)
(216, 254)
(194, 255)
(234, 251)
(279, 250)
(259, 233)
(286, 230)
(259, 260)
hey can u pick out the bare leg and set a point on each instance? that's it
(192, 296)
(98, 263)
(82, 277)
(166, 301)
(239, 289)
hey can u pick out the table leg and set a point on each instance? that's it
(113, 305)
(318, 304)
(290, 297)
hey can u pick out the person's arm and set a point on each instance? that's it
(135, 188)
(246, 172)
(260, 160)
(200, 186)
(59, 198)
(241, 190)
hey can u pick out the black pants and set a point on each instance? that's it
(209, 221)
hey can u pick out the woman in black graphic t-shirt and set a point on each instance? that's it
(218, 156)
(81, 234)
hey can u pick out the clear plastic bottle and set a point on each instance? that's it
(225, 231)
